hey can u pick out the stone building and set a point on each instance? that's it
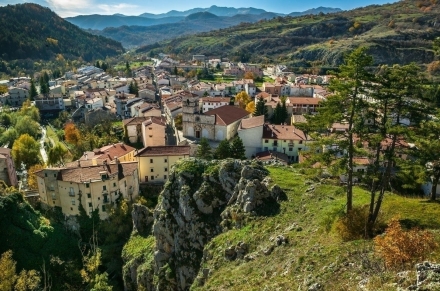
(8, 175)
(216, 124)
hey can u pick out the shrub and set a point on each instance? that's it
(399, 247)
(353, 225)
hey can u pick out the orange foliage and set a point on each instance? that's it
(71, 134)
(399, 248)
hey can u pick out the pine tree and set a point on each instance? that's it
(238, 150)
(277, 114)
(33, 91)
(260, 108)
(204, 149)
(223, 151)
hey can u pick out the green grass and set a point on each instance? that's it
(133, 65)
(51, 134)
(315, 253)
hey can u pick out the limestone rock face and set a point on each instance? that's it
(193, 207)
(142, 218)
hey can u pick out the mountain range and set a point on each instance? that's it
(99, 22)
(397, 33)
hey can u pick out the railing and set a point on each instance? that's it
(72, 194)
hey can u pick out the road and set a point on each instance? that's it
(42, 150)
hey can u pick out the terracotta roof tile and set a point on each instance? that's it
(252, 122)
(83, 174)
(285, 132)
(227, 114)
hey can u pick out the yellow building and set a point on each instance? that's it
(155, 162)
(286, 139)
(94, 186)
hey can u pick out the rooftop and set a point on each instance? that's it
(163, 151)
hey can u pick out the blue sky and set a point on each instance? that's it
(67, 8)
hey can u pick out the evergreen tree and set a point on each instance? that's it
(33, 91)
(223, 151)
(175, 70)
(345, 106)
(238, 150)
(98, 65)
(260, 108)
(277, 117)
(204, 150)
(283, 111)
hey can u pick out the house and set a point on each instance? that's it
(156, 162)
(8, 175)
(286, 139)
(199, 58)
(360, 168)
(216, 124)
(108, 154)
(147, 110)
(16, 97)
(94, 186)
(209, 103)
(154, 131)
(133, 128)
(50, 103)
(250, 132)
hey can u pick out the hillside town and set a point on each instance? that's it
(205, 110)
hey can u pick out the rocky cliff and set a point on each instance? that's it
(201, 200)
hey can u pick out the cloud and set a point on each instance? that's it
(66, 8)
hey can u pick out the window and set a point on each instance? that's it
(152, 178)
(290, 149)
(300, 142)
(103, 208)
(166, 170)
(54, 175)
(73, 201)
(71, 192)
(89, 195)
(164, 177)
(87, 185)
(150, 128)
(105, 198)
(165, 161)
(54, 196)
(151, 160)
(104, 188)
(114, 184)
(90, 204)
(45, 174)
(152, 170)
(266, 141)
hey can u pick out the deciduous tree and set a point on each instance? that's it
(26, 150)
(72, 134)
(243, 99)
(250, 107)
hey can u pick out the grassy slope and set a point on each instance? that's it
(313, 254)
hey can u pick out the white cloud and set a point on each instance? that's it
(122, 8)
(66, 8)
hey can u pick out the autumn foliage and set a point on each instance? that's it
(71, 134)
(399, 247)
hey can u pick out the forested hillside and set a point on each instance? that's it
(34, 32)
(401, 32)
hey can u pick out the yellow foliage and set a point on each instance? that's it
(7, 271)
(32, 179)
(399, 248)
(52, 41)
(250, 107)
(60, 57)
(243, 99)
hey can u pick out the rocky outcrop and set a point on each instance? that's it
(201, 200)
(142, 218)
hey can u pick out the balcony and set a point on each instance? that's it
(290, 144)
(71, 193)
